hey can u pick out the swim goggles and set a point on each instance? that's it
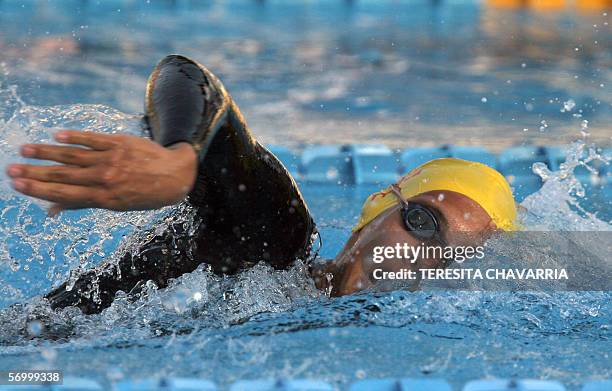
(420, 221)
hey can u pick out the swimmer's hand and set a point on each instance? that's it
(116, 172)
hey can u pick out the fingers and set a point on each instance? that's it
(77, 182)
(55, 209)
(74, 156)
(70, 175)
(96, 141)
(66, 195)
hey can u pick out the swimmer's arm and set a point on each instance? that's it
(116, 172)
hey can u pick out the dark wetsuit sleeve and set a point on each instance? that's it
(159, 260)
(251, 208)
(248, 206)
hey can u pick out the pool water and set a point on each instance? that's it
(265, 323)
(304, 73)
(402, 72)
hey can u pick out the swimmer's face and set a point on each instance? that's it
(461, 221)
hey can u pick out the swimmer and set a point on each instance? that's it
(249, 207)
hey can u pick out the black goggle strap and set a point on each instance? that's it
(397, 191)
(404, 204)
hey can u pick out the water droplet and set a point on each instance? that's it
(114, 374)
(541, 169)
(584, 128)
(568, 105)
(543, 125)
(49, 354)
(483, 99)
(35, 328)
(177, 301)
(332, 173)
(360, 374)
(241, 187)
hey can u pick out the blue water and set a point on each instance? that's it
(399, 72)
(402, 73)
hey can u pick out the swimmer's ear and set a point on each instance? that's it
(54, 210)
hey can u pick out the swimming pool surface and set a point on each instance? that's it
(404, 74)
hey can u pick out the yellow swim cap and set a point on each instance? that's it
(477, 181)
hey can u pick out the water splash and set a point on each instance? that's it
(76, 241)
(201, 307)
(49, 247)
(557, 205)
(190, 303)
